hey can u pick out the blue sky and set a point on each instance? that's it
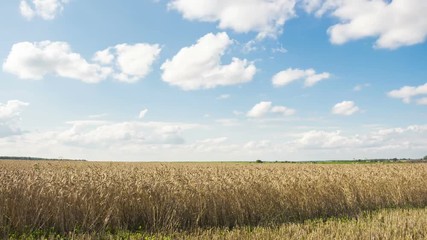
(214, 79)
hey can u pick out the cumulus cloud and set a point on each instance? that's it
(11, 109)
(309, 76)
(394, 23)
(90, 133)
(103, 133)
(325, 139)
(137, 140)
(345, 108)
(263, 108)
(35, 60)
(9, 116)
(103, 57)
(46, 9)
(406, 93)
(133, 62)
(259, 110)
(266, 17)
(384, 140)
(199, 66)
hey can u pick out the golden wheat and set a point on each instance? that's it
(66, 197)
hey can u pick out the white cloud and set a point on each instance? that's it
(263, 108)
(394, 23)
(346, 108)
(324, 139)
(35, 60)
(259, 110)
(266, 17)
(46, 9)
(11, 109)
(104, 57)
(142, 114)
(89, 133)
(208, 145)
(135, 61)
(311, 6)
(407, 92)
(106, 134)
(142, 141)
(283, 110)
(385, 141)
(289, 75)
(9, 116)
(199, 66)
(26, 10)
(250, 46)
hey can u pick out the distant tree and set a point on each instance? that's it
(258, 161)
(425, 157)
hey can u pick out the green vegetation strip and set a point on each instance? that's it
(383, 224)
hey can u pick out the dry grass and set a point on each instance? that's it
(83, 197)
(386, 224)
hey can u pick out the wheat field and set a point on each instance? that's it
(83, 197)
